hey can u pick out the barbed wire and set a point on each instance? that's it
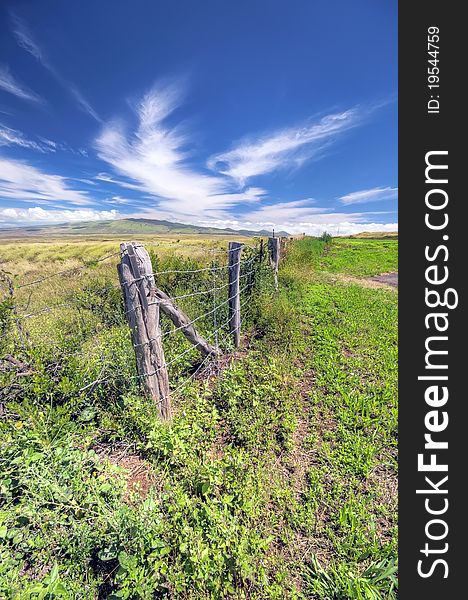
(208, 291)
(164, 365)
(92, 262)
(184, 271)
(189, 323)
(70, 270)
(78, 304)
(211, 250)
(135, 280)
(216, 334)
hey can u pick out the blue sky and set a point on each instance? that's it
(248, 114)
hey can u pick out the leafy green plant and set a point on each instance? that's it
(326, 237)
(283, 450)
(6, 309)
(375, 582)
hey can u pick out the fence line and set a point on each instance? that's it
(194, 247)
(138, 307)
(182, 272)
(108, 288)
(76, 304)
(71, 270)
(165, 365)
(220, 333)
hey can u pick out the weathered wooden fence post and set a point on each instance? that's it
(235, 249)
(142, 309)
(274, 251)
(283, 241)
(182, 322)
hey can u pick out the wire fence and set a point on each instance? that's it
(66, 333)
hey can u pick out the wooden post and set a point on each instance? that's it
(283, 241)
(182, 322)
(143, 315)
(260, 257)
(274, 251)
(233, 291)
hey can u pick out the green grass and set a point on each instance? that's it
(274, 480)
(361, 257)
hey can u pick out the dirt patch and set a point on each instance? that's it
(314, 425)
(300, 459)
(222, 439)
(139, 475)
(372, 282)
(385, 482)
(35, 573)
(317, 422)
(387, 278)
(214, 366)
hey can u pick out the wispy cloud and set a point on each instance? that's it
(154, 160)
(122, 201)
(372, 195)
(13, 137)
(82, 102)
(24, 182)
(338, 226)
(295, 216)
(300, 212)
(298, 216)
(282, 149)
(11, 85)
(53, 145)
(26, 41)
(21, 216)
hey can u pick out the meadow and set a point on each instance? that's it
(277, 475)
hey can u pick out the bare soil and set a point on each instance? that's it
(387, 278)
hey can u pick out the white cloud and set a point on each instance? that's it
(25, 40)
(282, 149)
(340, 227)
(24, 182)
(81, 100)
(284, 212)
(297, 216)
(53, 145)
(9, 84)
(372, 195)
(13, 137)
(120, 200)
(23, 216)
(154, 159)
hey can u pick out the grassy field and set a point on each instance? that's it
(276, 477)
(42, 256)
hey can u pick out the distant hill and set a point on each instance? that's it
(376, 235)
(124, 227)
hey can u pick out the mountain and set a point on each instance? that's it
(125, 227)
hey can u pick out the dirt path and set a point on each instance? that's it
(384, 280)
(387, 278)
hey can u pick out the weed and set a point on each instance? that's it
(276, 477)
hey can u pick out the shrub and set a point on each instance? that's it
(326, 237)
